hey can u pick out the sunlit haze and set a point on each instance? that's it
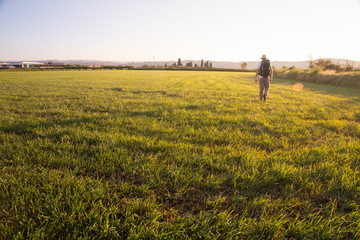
(162, 30)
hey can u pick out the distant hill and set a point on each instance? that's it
(215, 64)
(225, 64)
(250, 64)
(237, 65)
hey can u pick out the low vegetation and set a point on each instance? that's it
(176, 155)
(324, 72)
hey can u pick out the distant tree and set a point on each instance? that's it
(165, 65)
(311, 61)
(243, 65)
(179, 62)
(189, 64)
(202, 63)
(174, 65)
(333, 66)
(349, 68)
(322, 63)
(312, 64)
(206, 64)
(292, 68)
(284, 67)
(210, 65)
(196, 65)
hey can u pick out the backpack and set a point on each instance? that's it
(265, 68)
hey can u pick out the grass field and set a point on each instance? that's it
(176, 155)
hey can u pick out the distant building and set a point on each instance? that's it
(22, 64)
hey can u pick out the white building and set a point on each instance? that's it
(21, 64)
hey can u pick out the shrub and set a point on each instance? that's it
(315, 75)
(294, 73)
(315, 71)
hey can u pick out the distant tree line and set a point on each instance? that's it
(327, 64)
(179, 63)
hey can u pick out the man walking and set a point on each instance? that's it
(265, 73)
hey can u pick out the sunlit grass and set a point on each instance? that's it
(156, 154)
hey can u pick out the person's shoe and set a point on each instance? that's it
(264, 98)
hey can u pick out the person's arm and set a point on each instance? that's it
(271, 73)
(257, 71)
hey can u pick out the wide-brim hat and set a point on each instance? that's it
(263, 56)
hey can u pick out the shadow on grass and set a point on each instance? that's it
(323, 89)
(28, 128)
(144, 92)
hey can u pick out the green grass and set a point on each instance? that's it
(176, 155)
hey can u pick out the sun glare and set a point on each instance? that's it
(298, 86)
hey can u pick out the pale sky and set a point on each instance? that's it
(216, 30)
